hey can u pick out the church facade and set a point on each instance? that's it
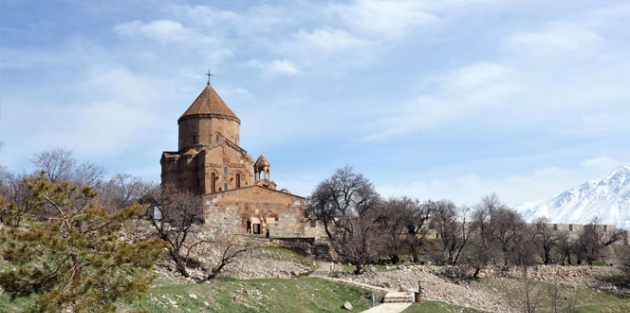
(239, 195)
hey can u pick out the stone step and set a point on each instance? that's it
(399, 297)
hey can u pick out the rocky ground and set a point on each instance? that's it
(434, 287)
(443, 283)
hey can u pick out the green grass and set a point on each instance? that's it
(582, 299)
(286, 254)
(437, 307)
(259, 295)
(300, 295)
(18, 305)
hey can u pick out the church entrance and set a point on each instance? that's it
(255, 225)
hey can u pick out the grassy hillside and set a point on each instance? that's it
(300, 294)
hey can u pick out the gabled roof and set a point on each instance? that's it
(227, 143)
(209, 104)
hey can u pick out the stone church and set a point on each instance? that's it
(239, 195)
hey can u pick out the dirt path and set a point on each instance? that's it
(388, 308)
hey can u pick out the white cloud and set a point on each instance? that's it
(326, 40)
(164, 31)
(255, 19)
(461, 94)
(325, 46)
(601, 164)
(387, 20)
(117, 82)
(277, 67)
(384, 17)
(477, 76)
(558, 38)
(202, 14)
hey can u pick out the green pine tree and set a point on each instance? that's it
(68, 251)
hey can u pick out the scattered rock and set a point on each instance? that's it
(347, 306)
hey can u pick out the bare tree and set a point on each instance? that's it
(482, 247)
(565, 248)
(230, 250)
(88, 174)
(506, 227)
(405, 226)
(123, 190)
(60, 165)
(452, 225)
(56, 164)
(418, 219)
(531, 300)
(348, 207)
(173, 215)
(593, 239)
(396, 213)
(545, 238)
(497, 230)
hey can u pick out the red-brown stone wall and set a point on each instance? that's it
(281, 213)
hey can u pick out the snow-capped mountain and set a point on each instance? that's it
(607, 197)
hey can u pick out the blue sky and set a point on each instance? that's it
(433, 99)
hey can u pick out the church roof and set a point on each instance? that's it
(262, 161)
(210, 104)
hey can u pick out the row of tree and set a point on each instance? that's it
(362, 228)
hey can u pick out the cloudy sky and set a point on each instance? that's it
(433, 99)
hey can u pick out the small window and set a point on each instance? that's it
(195, 139)
(217, 137)
(225, 170)
(225, 186)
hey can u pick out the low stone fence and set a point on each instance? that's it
(304, 243)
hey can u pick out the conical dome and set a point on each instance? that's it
(261, 162)
(209, 104)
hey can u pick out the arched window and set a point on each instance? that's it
(238, 180)
(195, 139)
(213, 188)
(217, 137)
(225, 186)
(225, 170)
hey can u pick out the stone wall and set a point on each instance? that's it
(258, 210)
